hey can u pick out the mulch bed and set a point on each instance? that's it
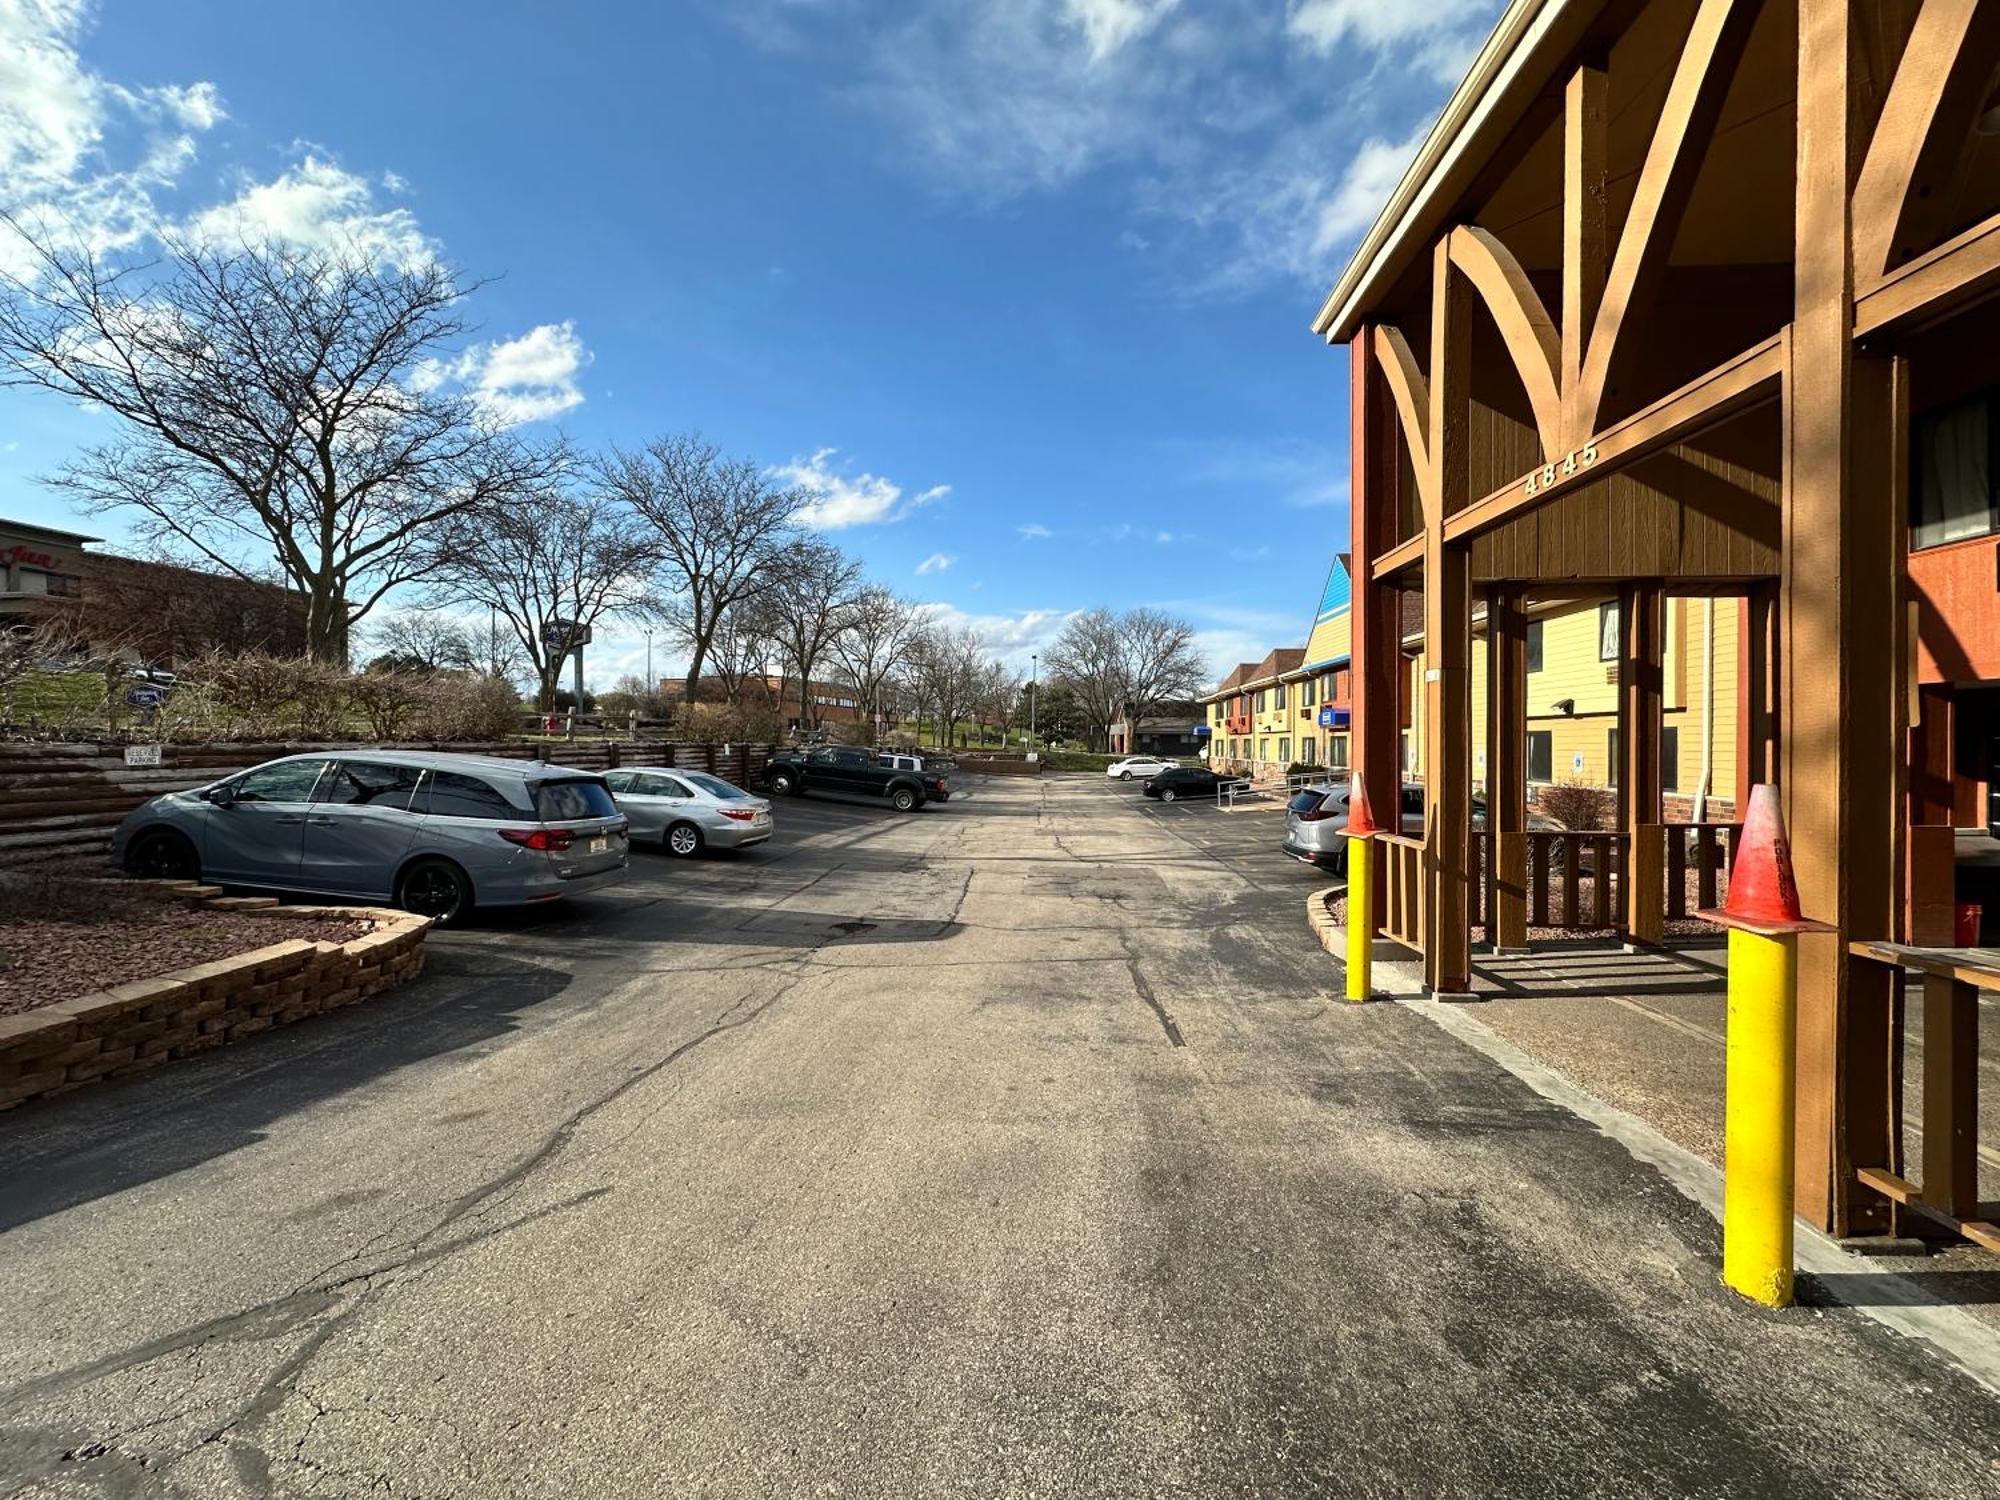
(43, 961)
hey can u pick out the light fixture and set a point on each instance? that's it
(1564, 705)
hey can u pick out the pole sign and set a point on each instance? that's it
(563, 636)
(147, 695)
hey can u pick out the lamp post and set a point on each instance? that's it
(1034, 684)
(651, 686)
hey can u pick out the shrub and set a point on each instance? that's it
(1578, 807)
(387, 702)
(467, 706)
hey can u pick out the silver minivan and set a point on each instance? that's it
(1316, 822)
(433, 833)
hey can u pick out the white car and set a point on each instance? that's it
(687, 811)
(1140, 766)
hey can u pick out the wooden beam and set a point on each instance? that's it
(1933, 285)
(1506, 768)
(1951, 1095)
(1673, 160)
(1526, 329)
(1641, 701)
(1377, 619)
(1940, 84)
(1447, 738)
(1585, 234)
(1749, 379)
(1757, 705)
(1843, 550)
(1403, 555)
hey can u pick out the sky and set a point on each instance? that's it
(1022, 286)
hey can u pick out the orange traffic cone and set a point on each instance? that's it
(1763, 896)
(1360, 816)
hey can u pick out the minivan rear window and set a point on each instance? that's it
(1306, 802)
(568, 801)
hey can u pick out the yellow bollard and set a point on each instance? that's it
(1360, 833)
(1764, 922)
(1757, 1143)
(1360, 937)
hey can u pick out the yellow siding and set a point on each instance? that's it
(1331, 639)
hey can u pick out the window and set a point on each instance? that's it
(361, 783)
(1952, 494)
(1336, 751)
(1305, 801)
(1534, 645)
(568, 801)
(1278, 698)
(824, 757)
(456, 795)
(1409, 752)
(715, 786)
(1306, 693)
(619, 781)
(1285, 750)
(286, 781)
(62, 586)
(1607, 632)
(1306, 751)
(1670, 759)
(1612, 757)
(1541, 755)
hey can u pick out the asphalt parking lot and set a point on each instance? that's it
(1018, 1146)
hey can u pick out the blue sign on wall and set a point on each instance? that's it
(1201, 731)
(1333, 718)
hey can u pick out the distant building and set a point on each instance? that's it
(150, 612)
(1171, 729)
(831, 702)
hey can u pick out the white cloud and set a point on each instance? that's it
(1012, 637)
(80, 155)
(319, 204)
(1163, 537)
(1364, 187)
(843, 499)
(525, 379)
(1034, 531)
(1437, 31)
(937, 562)
(1108, 25)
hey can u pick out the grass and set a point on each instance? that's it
(42, 697)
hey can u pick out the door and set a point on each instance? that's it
(360, 828)
(649, 802)
(257, 836)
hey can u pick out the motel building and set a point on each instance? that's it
(1693, 306)
(1291, 709)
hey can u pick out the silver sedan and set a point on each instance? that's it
(685, 812)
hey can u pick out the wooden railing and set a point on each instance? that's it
(1400, 897)
(1709, 849)
(1572, 881)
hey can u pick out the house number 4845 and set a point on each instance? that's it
(1546, 476)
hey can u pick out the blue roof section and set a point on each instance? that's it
(1338, 593)
(1335, 600)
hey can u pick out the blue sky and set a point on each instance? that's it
(1023, 284)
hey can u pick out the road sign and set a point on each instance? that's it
(563, 635)
(142, 755)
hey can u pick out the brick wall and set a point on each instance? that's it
(132, 1028)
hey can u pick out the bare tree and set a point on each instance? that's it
(741, 647)
(812, 586)
(1129, 662)
(874, 645)
(552, 556)
(999, 697)
(1088, 659)
(425, 640)
(946, 666)
(278, 406)
(716, 522)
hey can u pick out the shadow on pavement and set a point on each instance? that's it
(1882, 1289)
(79, 1147)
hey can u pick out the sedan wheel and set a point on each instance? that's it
(1168, 795)
(1124, 775)
(684, 839)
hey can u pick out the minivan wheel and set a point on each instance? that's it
(162, 854)
(435, 888)
(684, 839)
(903, 799)
(782, 784)
(1167, 794)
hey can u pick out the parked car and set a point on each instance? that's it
(1139, 765)
(1316, 822)
(1177, 782)
(851, 771)
(937, 780)
(685, 812)
(434, 834)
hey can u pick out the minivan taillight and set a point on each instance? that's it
(548, 840)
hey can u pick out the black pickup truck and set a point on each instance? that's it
(852, 771)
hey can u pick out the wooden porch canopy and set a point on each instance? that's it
(1666, 317)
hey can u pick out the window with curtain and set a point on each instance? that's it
(1952, 493)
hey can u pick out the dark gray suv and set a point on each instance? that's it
(434, 834)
